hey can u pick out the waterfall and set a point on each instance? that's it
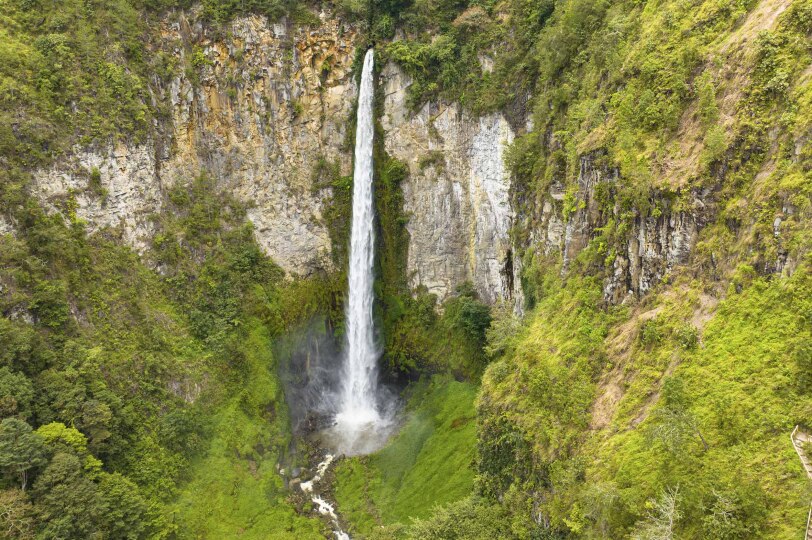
(359, 418)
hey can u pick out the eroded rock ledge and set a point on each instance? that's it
(258, 105)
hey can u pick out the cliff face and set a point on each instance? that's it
(270, 102)
(257, 109)
(259, 105)
(459, 199)
(648, 251)
(457, 195)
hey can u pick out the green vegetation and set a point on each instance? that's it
(83, 71)
(235, 490)
(417, 339)
(63, 82)
(692, 424)
(664, 417)
(164, 380)
(429, 462)
(135, 390)
(627, 84)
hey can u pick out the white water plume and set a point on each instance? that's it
(361, 427)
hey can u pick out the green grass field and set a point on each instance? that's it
(234, 490)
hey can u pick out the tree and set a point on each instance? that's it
(501, 334)
(466, 313)
(60, 396)
(68, 504)
(801, 351)
(604, 506)
(467, 519)
(124, 507)
(16, 394)
(674, 424)
(20, 449)
(96, 419)
(734, 511)
(16, 515)
(75, 499)
(661, 519)
(59, 438)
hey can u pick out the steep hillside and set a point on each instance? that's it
(661, 191)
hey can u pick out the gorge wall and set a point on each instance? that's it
(654, 244)
(258, 106)
(270, 102)
(457, 195)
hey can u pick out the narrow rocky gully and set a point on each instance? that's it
(315, 495)
(801, 442)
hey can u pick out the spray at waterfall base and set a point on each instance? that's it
(361, 425)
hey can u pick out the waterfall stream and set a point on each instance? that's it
(360, 425)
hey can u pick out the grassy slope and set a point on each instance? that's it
(682, 96)
(428, 463)
(742, 385)
(234, 489)
(595, 439)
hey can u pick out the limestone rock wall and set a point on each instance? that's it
(461, 207)
(258, 105)
(271, 100)
(129, 176)
(6, 227)
(651, 248)
(457, 195)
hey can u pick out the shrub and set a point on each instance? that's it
(715, 145)
(650, 333)
(706, 91)
(466, 313)
(199, 59)
(687, 336)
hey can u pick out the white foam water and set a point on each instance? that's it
(324, 508)
(361, 427)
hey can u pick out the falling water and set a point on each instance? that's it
(359, 422)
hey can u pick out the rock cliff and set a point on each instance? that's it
(256, 107)
(652, 246)
(457, 195)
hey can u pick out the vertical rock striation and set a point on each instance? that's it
(457, 195)
(130, 180)
(653, 245)
(256, 107)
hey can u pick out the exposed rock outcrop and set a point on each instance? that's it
(649, 250)
(6, 227)
(457, 195)
(258, 106)
(129, 176)
(271, 100)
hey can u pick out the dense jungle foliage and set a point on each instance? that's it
(139, 393)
